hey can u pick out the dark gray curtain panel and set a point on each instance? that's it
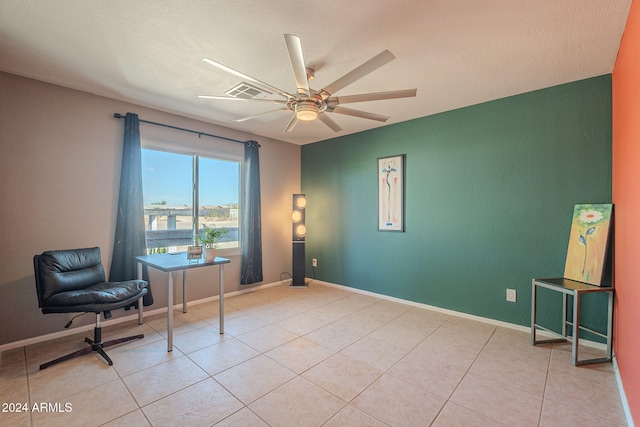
(251, 240)
(129, 238)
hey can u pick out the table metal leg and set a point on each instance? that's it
(533, 312)
(576, 328)
(534, 318)
(221, 290)
(139, 271)
(564, 314)
(169, 311)
(184, 291)
(610, 326)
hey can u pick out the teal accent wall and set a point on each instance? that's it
(490, 191)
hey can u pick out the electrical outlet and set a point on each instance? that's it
(511, 295)
(314, 262)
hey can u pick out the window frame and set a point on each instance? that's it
(196, 151)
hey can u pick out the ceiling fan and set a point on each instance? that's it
(308, 104)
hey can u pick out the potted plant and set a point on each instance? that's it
(209, 238)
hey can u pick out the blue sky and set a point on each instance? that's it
(167, 176)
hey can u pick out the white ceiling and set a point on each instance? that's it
(455, 52)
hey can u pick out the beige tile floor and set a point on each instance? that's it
(316, 356)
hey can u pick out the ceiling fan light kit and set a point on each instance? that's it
(306, 110)
(309, 105)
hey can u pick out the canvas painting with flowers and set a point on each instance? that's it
(588, 243)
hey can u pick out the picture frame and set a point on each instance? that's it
(588, 243)
(391, 192)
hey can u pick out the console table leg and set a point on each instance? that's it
(564, 314)
(576, 328)
(221, 307)
(184, 291)
(610, 326)
(169, 311)
(533, 311)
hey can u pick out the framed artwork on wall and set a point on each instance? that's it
(391, 193)
(588, 241)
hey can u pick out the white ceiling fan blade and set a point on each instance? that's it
(244, 119)
(357, 73)
(374, 96)
(324, 118)
(358, 113)
(292, 123)
(247, 77)
(294, 47)
(231, 98)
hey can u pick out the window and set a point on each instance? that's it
(173, 183)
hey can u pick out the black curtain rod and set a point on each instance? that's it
(200, 134)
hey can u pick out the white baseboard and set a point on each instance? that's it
(623, 395)
(520, 328)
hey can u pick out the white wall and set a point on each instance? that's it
(60, 153)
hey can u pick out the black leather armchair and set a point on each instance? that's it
(73, 281)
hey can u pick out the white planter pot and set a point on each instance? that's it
(209, 254)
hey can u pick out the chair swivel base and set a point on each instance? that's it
(94, 345)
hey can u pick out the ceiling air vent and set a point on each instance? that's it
(246, 91)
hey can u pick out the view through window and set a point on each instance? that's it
(173, 183)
